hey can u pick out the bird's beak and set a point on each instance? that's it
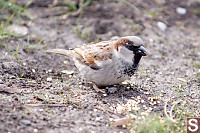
(141, 50)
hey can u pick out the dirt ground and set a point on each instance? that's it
(37, 94)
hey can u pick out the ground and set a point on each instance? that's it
(38, 94)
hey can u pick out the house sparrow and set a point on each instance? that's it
(107, 62)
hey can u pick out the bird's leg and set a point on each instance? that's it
(97, 89)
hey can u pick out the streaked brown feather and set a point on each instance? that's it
(95, 52)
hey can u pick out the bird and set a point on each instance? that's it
(107, 63)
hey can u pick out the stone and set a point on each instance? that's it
(49, 79)
(114, 37)
(181, 11)
(112, 90)
(1, 81)
(20, 30)
(26, 122)
(68, 72)
(162, 26)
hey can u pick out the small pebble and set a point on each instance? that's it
(49, 79)
(50, 71)
(35, 130)
(70, 107)
(1, 81)
(151, 40)
(181, 11)
(125, 83)
(98, 118)
(37, 92)
(65, 62)
(162, 26)
(26, 122)
(104, 95)
(21, 30)
(80, 128)
(112, 90)
(68, 72)
(14, 117)
(12, 77)
(41, 110)
(33, 70)
(114, 37)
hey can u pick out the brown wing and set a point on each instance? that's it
(95, 52)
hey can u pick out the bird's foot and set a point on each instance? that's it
(97, 89)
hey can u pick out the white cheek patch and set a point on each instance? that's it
(126, 54)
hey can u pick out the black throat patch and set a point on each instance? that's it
(130, 69)
(127, 68)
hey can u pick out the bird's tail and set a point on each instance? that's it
(60, 51)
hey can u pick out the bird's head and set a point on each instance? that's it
(131, 47)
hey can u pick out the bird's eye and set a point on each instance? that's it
(129, 46)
